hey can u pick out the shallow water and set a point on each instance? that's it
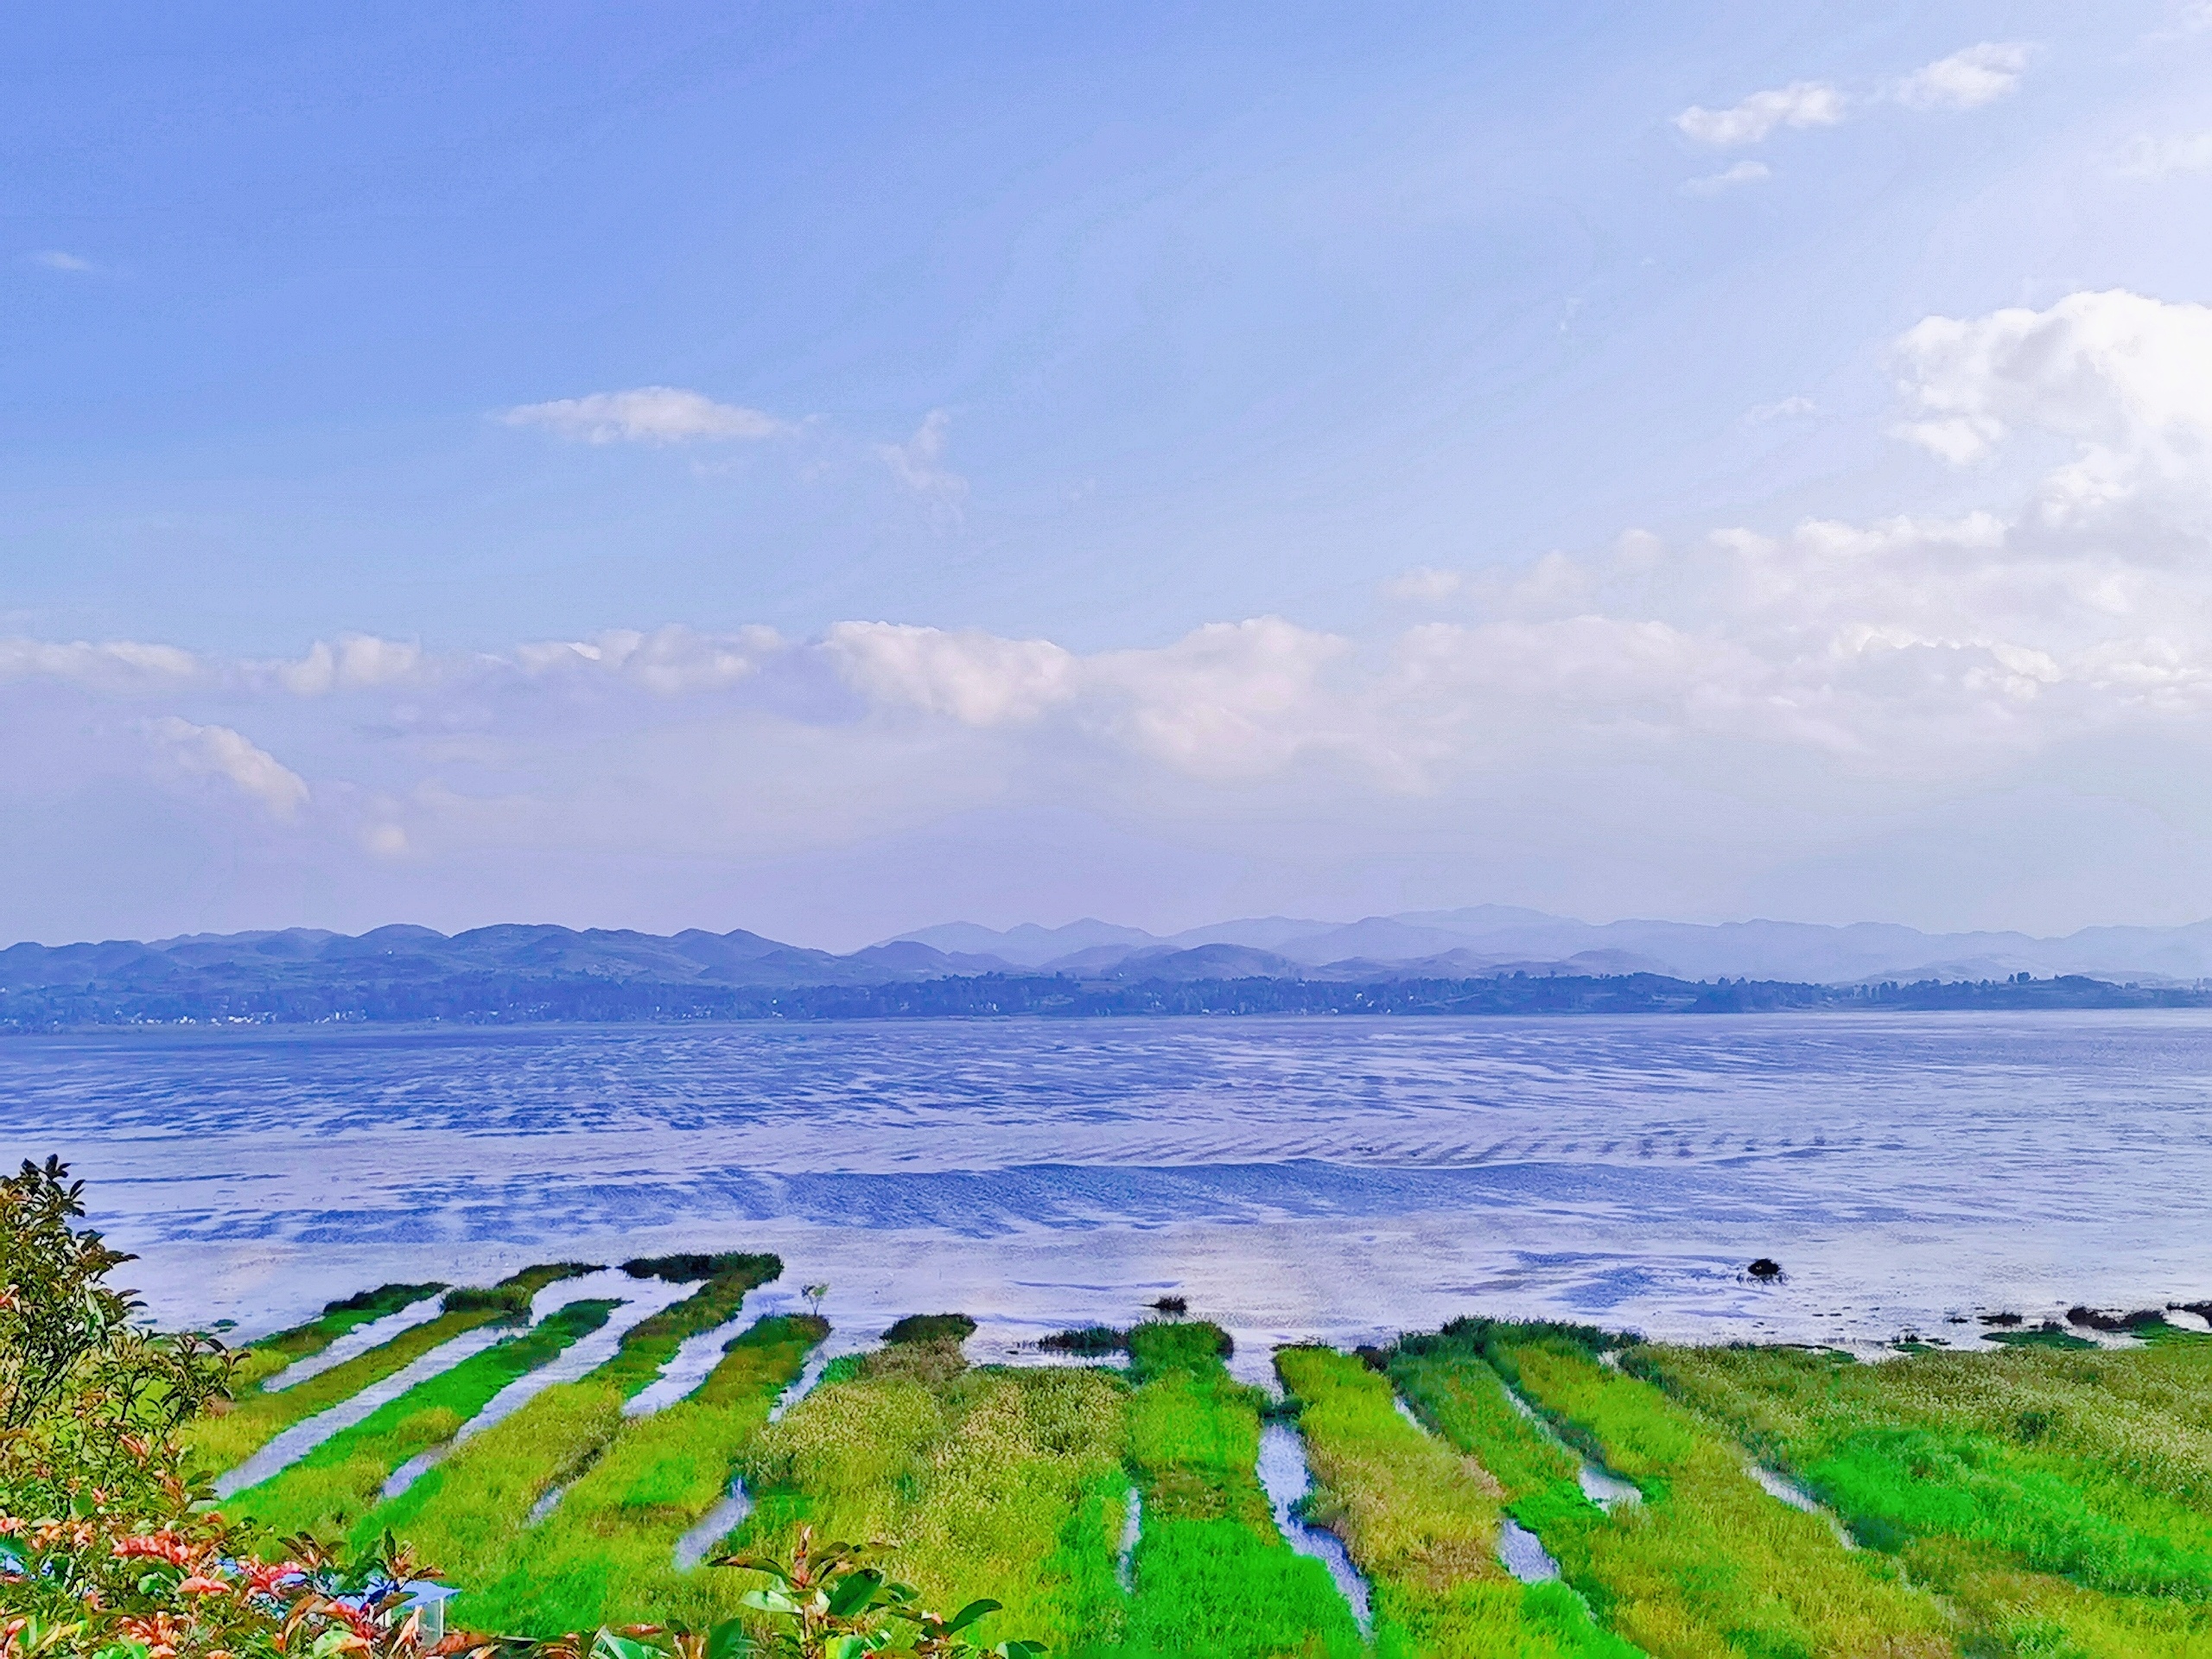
(1331, 1179)
(358, 1341)
(1284, 1474)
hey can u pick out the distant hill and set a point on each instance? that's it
(1422, 961)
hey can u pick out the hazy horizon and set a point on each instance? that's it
(829, 474)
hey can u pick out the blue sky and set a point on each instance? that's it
(833, 470)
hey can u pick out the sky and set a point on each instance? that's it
(831, 470)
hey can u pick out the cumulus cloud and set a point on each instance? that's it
(1800, 104)
(975, 677)
(219, 751)
(918, 464)
(1966, 79)
(1713, 184)
(646, 415)
(2125, 379)
(1890, 652)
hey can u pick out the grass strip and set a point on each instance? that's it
(265, 1359)
(221, 1439)
(333, 1486)
(1213, 1573)
(1001, 1483)
(1422, 1523)
(604, 1555)
(1708, 1563)
(2058, 1497)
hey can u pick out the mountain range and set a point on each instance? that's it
(1482, 941)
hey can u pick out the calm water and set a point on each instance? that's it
(1334, 1178)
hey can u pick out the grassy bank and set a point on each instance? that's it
(604, 1555)
(1213, 1574)
(2059, 1498)
(1708, 1563)
(333, 1486)
(1422, 1523)
(221, 1441)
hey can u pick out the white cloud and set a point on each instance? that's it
(916, 463)
(1713, 184)
(646, 414)
(2126, 379)
(1425, 583)
(1800, 104)
(2149, 157)
(117, 663)
(1782, 409)
(217, 751)
(59, 260)
(356, 660)
(976, 677)
(1966, 79)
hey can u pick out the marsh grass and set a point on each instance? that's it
(273, 1354)
(2061, 1497)
(995, 1481)
(222, 1439)
(605, 1554)
(1708, 1563)
(1422, 1523)
(327, 1490)
(1213, 1574)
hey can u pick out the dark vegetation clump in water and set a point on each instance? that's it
(2096, 1319)
(488, 1298)
(1090, 1339)
(931, 1327)
(685, 1266)
(1176, 1306)
(1766, 1267)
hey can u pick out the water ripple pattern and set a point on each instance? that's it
(1338, 1179)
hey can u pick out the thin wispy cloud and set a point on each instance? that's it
(918, 464)
(1800, 104)
(646, 415)
(2149, 157)
(61, 259)
(1966, 79)
(1714, 184)
(219, 751)
(1782, 409)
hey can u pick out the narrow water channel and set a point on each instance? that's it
(1284, 1474)
(1125, 1564)
(356, 1341)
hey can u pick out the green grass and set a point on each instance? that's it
(604, 1555)
(1422, 1523)
(265, 1359)
(465, 1513)
(328, 1491)
(224, 1439)
(1213, 1573)
(1708, 1564)
(2059, 1498)
(1001, 1483)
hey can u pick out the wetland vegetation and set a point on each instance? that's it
(1528, 1489)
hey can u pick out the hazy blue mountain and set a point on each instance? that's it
(1028, 945)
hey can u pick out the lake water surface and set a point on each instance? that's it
(1341, 1178)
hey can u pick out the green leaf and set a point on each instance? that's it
(970, 1613)
(769, 1601)
(727, 1640)
(855, 1592)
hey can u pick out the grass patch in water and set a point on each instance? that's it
(260, 1361)
(1422, 1523)
(1708, 1563)
(222, 1439)
(2058, 1496)
(929, 1327)
(998, 1482)
(604, 1555)
(330, 1490)
(1213, 1573)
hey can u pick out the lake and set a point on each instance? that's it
(1341, 1178)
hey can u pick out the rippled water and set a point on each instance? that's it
(1335, 1177)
